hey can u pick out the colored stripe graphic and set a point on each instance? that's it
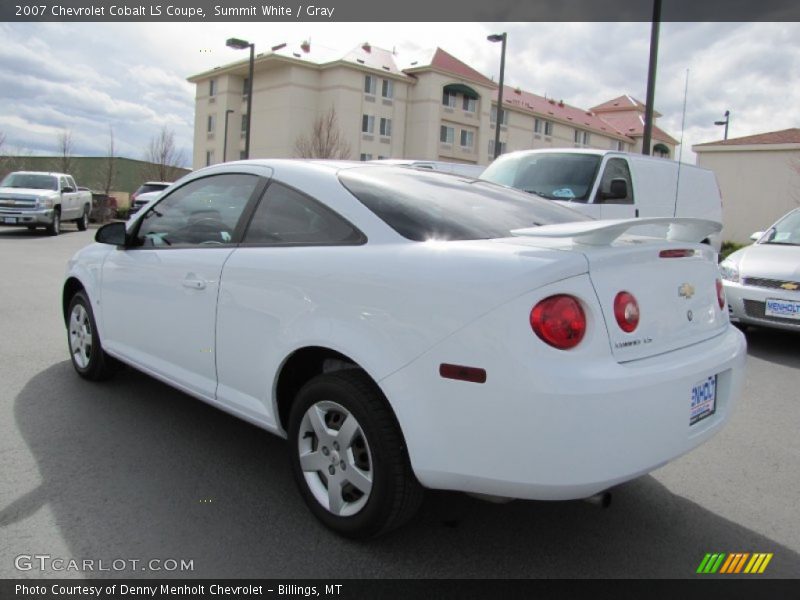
(733, 563)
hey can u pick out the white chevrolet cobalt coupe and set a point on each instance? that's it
(408, 329)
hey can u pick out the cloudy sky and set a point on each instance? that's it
(86, 77)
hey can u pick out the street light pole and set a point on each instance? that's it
(225, 136)
(725, 122)
(651, 78)
(241, 45)
(499, 37)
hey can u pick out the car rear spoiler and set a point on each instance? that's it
(603, 233)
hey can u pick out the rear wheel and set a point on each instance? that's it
(55, 227)
(87, 354)
(83, 222)
(348, 456)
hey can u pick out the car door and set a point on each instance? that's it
(265, 298)
(613, 206)
(159, 295)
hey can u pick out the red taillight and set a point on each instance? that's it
(720, 294)
(626, 311)
(676, 253)
(559, 321)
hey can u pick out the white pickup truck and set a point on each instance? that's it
(38, 199)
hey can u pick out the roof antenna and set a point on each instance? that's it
(680, 152)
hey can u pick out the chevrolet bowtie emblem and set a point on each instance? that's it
(686, 290)
(790, 286)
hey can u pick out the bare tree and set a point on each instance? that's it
(325, 140)
(163, 158)
(64, 149)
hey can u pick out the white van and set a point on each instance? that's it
(613, 185)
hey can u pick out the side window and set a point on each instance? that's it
(204, 212)
(72, 184)
(64, 183)
(616, 168)
(285, 216)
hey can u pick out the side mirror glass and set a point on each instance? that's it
(755, 236)
(618, 189)
(113, 233)
(67, 189)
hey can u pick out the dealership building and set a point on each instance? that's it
(432, 107)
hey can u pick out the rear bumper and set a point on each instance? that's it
(558, 430)
(29, 217)
(746, 305)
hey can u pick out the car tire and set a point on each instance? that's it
(55, 227)
(85, 350)
(83, 222)
(360, 485)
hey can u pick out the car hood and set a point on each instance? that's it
(17, 192)
(771, 261)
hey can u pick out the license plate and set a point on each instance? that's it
(10, 220)
(787, 309)
(703, 400)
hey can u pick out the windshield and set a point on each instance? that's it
(556, 176)
(427, 205)
(33, 181)
(786, 231)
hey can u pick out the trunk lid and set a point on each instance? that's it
(677, 296)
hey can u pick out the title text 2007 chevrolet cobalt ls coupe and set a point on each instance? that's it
(410, 330)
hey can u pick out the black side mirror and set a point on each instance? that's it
(618, 189)
(67, 190)
(113, 233)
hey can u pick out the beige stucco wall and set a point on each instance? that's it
(758, 186)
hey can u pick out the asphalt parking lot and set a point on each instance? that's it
(132, 469)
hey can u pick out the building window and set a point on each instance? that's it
(620, 146)
(386, 127)
(367, 124)
(245, 86)
(447, 135)
(449, 99)
(469, 104)
(381, 157)
(582, 137)
(365, 156)
(387, 88)
(493, 116)
(537, 126)
(244, 123)
(661, 151)
(212, 122)
(242, 155)
(491, 148)
(548, 128)
(369, 84)
(467, 138)
(209, 157)
(212, 87)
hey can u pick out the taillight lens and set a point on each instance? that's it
(559, 321)
(626, 311)
(720, 294)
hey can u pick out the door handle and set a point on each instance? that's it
(194, 284)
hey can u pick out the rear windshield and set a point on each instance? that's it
(424, 206)
(32, 181)
(556, 176)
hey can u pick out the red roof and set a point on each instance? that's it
(622, 104)
(581, 118)
(632, 125)
(448, 63)
(785, 136)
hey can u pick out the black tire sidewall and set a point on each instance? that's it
(371, 519)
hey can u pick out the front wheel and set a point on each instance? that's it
(348, 456)
(88, 357)
(55, 227)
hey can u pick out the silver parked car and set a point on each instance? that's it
(762, 281)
